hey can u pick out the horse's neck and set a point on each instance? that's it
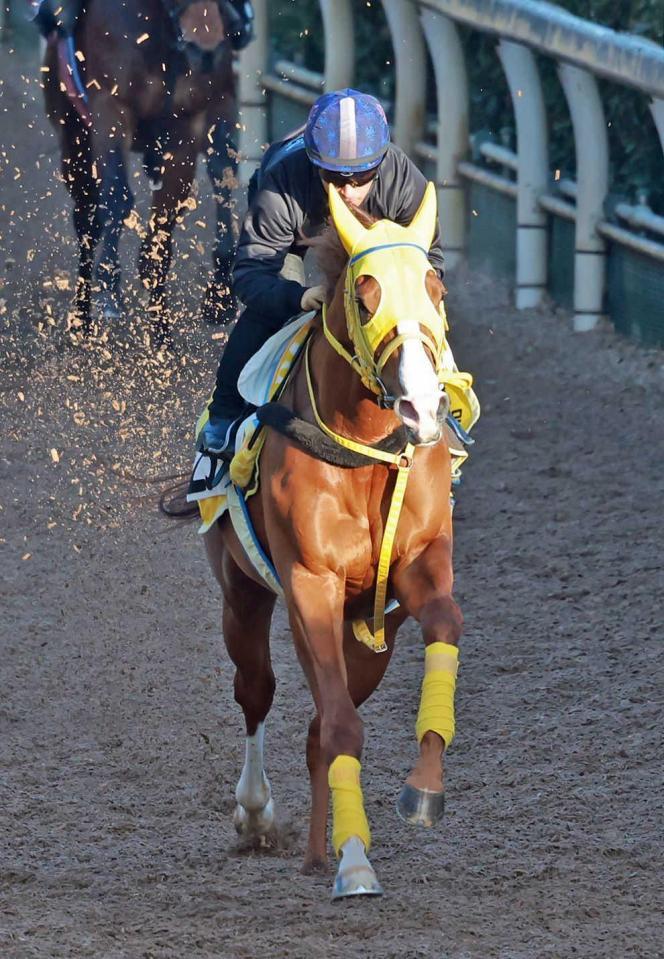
(344, 403)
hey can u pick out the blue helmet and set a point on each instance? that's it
(347, 132)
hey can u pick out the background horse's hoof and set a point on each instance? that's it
(109, 305)
(420, 807)
(255, 823)
(355, 876)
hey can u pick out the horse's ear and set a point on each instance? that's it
(350, 229)
(423, 225)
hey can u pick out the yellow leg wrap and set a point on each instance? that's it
(348, 816)
(437, 704)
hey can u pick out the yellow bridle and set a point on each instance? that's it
(396, 257)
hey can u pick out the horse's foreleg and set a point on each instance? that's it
(77, 167)
(424, 588)
(316, 614)
(156, 249)
(219, 305)
(109, 139)
(77, 174)
(246, 626)
(364, 671)
(116, 202)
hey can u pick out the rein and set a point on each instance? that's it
(403, 462)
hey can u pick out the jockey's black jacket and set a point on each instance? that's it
(291, 201)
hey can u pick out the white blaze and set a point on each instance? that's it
(420, 399)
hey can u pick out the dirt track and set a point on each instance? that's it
(120, 741)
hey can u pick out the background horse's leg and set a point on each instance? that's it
(315, 606)
(76, 165)
(365, 671)
(219, 304)
(110, 143)
(156, 249)
(116, 204)
(77, 170)
(246, 624)
(424, 588)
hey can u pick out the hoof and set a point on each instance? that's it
(356, 882)
(355, 876)
(420, 807)
(109, 305)
(315, 867)
(255, 823)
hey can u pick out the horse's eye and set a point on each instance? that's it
(365, 315)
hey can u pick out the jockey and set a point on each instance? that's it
(346, 142)
(62, 15)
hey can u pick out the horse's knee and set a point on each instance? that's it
(313, 744)
(254, 692)
(441, 620)
(342, 735)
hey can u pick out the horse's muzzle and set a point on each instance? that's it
(423, 417)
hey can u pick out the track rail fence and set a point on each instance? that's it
(582, 51)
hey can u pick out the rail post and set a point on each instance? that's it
(532, 172)
(592, 177)
(252, 65)
(449, 66)
(410, 64)
(657, 110)
(339, 43)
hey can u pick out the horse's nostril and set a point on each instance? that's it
(407, 411)
(443, 407)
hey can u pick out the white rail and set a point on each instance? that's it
(583, 52)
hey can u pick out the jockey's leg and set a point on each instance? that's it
(250, 332)
(219, 305)
(424, 589)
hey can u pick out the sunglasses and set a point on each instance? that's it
(340, 180)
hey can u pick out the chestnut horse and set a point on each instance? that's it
(372, 371)
(158, 78)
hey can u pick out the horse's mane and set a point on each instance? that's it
(331, 257)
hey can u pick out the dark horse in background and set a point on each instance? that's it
(156, 76)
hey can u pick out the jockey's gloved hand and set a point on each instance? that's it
(313, 298)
